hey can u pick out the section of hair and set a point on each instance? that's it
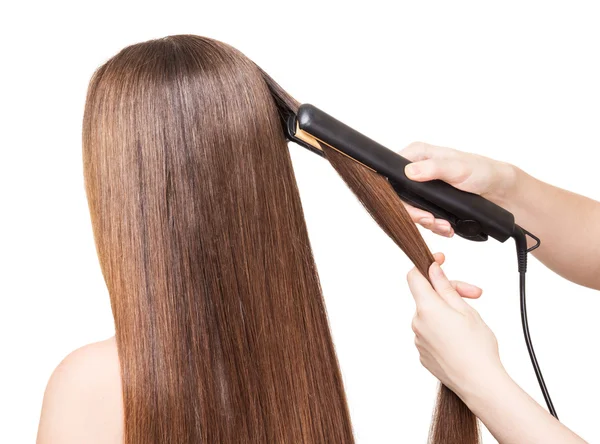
(383, 204)
(220, 322)
(453, 422)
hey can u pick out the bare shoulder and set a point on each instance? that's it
(83, 402)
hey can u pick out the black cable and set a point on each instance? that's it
(534, 237)
(522, 250)
(534, 362)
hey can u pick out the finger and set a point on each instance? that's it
(443, 232)
(416, 214)
(442, 227)
(466, 290)
(444, 288)
(438, 226)
(426, 220)
(419, 151)
(448, 170)
(422, 291)
(442, 223)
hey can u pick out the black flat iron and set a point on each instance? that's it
(471, 216)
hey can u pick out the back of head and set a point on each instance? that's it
(220, 323)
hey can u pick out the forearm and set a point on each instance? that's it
(513, 417)
(567, 224)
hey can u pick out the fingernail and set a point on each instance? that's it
(412, 170)
(426, 221)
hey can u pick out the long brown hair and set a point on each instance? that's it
(221, 327)
(220, 323)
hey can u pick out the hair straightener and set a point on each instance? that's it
(471, 216)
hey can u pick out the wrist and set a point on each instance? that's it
(507, 183)
(485, 393)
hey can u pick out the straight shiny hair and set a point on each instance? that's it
(221, 326)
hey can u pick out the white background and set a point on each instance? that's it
(517, 82)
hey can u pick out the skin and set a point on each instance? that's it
(543, 209)
(83, 403)
(454, 343)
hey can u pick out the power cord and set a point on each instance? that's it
(520, 236)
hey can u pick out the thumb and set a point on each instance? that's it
(445, 289)
(422, 291)
(449, 170)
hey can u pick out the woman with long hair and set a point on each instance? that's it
(221, 329)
